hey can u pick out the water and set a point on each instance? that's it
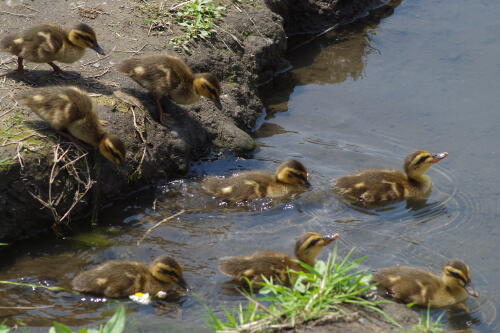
(421, 75)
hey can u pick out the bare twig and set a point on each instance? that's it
(8, 143)
(132, 51)
(26, 307)
(99, 59)
(15, 14)
(158, 224)
(63, 161)
(19, 156)
(230, 34)
(6, 112)
(150, 27)
(178, 5)
(104, 72)
(315, 37)
(30, 8)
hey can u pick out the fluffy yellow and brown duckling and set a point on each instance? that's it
(49, 43)
(290, 178)
(386, 185)
(275, 264)
(118, 278)
(69, 108)
(415, 285)
(166, 75)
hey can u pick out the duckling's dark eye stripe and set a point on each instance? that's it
(312, 243)
(168, 272)
(211, 90)
(458, 276)
(297, 175)
(422, 159)
(87, 38)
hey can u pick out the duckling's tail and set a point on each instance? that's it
(7, 42)
(127, 65)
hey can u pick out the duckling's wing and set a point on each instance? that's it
(56, 106)
(265, 263)
(39, 44)
(407, 284)
(245, 186)
(114, 279)
(152, 73)
(372, 185)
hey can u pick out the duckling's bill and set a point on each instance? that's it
(218, 103)
(96, 47)
(330, 238)
(471, 291)
(183, 284)
(438, 157)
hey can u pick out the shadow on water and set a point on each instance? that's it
(335, 58)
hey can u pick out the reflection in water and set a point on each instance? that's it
(338, 56)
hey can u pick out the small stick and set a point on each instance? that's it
(178, 5)
(131, 51)
(31, 8)
(99, 59)
(315, 37)
(104, 72)
(15, 14)
(158, 224)
(26, 307)
(150, 27)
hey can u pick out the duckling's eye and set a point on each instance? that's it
(458, 277)
(168, 272)
(422, 160)
(297, 175)
(85, 38)
(210, 90)
(313, 243)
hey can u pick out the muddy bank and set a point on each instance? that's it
(43, 178)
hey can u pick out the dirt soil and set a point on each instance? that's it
(46, 181)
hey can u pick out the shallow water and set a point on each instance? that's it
(421, 75)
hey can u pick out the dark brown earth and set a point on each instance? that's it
(246, 51)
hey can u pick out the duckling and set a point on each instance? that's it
(49, 43)
(414, 285)
(275, 264)
(167, 75)
(69, 108)
(290, 178)
(387, 185)
(118, 278)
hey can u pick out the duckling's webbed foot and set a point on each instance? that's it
(21, 72)
(164, 118)
(63, 75)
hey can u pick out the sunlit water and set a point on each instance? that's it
(421, 76)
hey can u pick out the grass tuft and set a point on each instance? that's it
(427, 325)
(321, 290)
(197, 17)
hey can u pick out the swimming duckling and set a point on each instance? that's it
(69, 108)
(166, 75)
(275, 264)
(118, 279)
(387, 185)
(414, 285)
(290, 178)
(49, 43)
